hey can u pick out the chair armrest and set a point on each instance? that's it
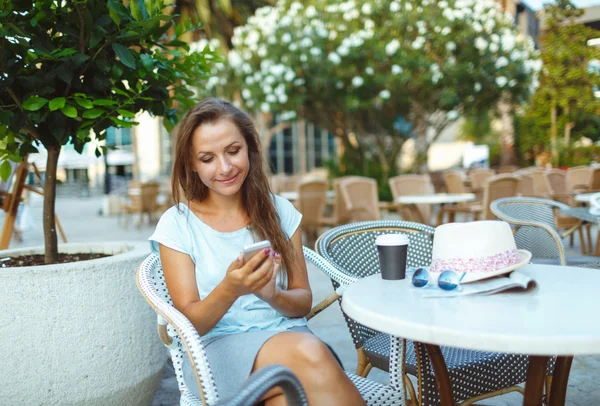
(265, 379)
(334, 273)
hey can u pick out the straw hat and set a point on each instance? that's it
(482, 249)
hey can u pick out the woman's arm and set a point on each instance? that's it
(180, 277)
(296, 301)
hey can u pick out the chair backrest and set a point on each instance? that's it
(536, 224)
(479, 176)
(360, 198)
(496, 187)
(149, 195)
(312, 197)
(556, 181)
(595, 179)
(406, 185)
(341, 214)
(152, 286)
(526, 187)
(454, 182)
(351, 249)
(508, 169)
(578, 178)
(540, 188)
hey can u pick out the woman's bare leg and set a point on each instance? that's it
(324, 382)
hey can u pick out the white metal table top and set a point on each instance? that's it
(437, 198)
(292, 196)
(559, 318)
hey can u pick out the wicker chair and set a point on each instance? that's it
(312, 198)
(341, 214)
(181, 338)
(474, 375)
(478, 177)
(360, 198)
(406, 185)
(579, 179)
(455, 184)
(537, 232)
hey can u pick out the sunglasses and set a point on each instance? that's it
(448, 280)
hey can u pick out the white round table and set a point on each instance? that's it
(557, 319)
(584, 197)
(293, 196)
(437, 198)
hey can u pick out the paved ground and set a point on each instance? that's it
(82, 222)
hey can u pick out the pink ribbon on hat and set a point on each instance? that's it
(489, 263)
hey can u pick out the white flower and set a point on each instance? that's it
(477, 27)
(334, 58)
(450, 46)
(306, 42)
(332, 35)
(501, 62)
(339, 85)
(262, 51)
(408, 7)
(477, 86)
(357, 81)
(418, 43)
(310, 12)
(265, 108)
(246, 68)
(315, 51)
(267, 89)
(369, 70)
(494, 47)
(249, 80)
(303, 58)
(452, 115)
(385, 94)
(271, 98)
(298, 82)
(293, 47)
(480, 43)
(446, 31)
(392, 47)
(343, 50)
(366, 9)
(286, 38)
(394, 7)
(396, 70)
(512, 83)
(501, 81)
(234, 58)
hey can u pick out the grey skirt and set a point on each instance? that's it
(231, 358)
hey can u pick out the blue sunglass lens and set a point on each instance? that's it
(420, 277)
(448, 280)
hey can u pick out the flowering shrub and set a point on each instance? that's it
(364, 67)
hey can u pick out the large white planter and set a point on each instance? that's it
(78, 333)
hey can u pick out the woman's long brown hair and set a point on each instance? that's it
(256, 192)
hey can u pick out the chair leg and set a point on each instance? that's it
(582, 239)
(363, 362)
(411, 391)
(597, 249)
(548, 388)
(571, 240)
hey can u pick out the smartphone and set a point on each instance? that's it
(252, 249)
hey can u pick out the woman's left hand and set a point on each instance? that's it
(269, 291)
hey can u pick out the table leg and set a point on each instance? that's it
(534, 385)
(558, 392)
(441, 374)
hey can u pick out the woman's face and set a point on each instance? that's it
(220, 157)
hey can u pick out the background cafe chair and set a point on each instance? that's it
(455, 184)
(312, 198)
(536, 231)
(181, 339)
(360, 198)
(496, 187)
(556, 182)
(478, 177)
(142, 199)
(474, 375)
(340, 213)
(578, 179)
(526, 187)
(406, 185)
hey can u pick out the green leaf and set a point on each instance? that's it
(124, 55)
(93, 113)
(147, 61)
(104, 102)
(126, 113)
(34, 103)
(114, 14)
(57, 103)
(5, 170)
(121, 123)
(135, 10)
(85, 103)
(120, 92)
(69, 111)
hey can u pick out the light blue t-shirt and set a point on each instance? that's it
(212, 252)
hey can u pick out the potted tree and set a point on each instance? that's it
(81, 334)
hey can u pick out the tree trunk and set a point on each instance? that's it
(50, 239)
(568, 126)
(553, 145)
(508, 154)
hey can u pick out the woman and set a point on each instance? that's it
(249, 315)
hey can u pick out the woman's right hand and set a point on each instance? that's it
(245, 278)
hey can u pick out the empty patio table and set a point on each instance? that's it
(437, 198)
(589, 215)
(556, 319)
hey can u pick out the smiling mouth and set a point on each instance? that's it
(228, 181)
